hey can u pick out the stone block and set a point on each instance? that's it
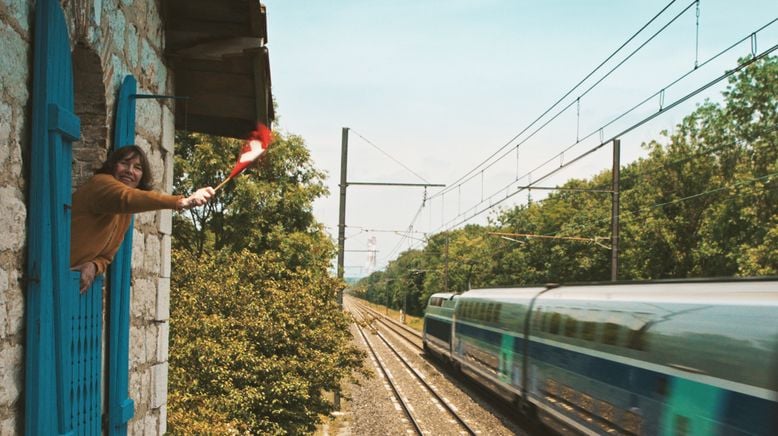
(158, 385)
(8, 427)
(163, 299)
(151, 255)
(117, 22)
(12, 220)
(20, 10)
(10, 373)
(164, 256)
(162, 420)
(145, 219)
(138, 354)
(144, 294)
(157, 164)
(150, 425)
(138, 248)
(136, 424)
(168, 177)
(3, 309)
(15, 50)
(165, 221)
(168, 130)
(132, 46)
(143, 395)
(151, 342)
(148, 113)
(6, 120)
(163, 338)
(117, 71)
(134, 386)
(14, 305)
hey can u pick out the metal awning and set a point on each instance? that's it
(220, 63)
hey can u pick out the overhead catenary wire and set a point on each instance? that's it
(389, 155)
(633, 108)
(576, 101)
(599, 146)
(567, 94)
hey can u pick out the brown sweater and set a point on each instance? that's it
(102, 209)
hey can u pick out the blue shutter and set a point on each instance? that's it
(49, 354)
(120, 406)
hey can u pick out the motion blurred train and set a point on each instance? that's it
(680, 358)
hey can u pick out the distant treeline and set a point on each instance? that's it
(703, 203)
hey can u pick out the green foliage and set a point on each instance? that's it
(702, 204)
(253, 344)
(256, 335)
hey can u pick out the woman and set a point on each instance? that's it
(103, 207)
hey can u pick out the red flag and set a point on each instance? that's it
(255, 145)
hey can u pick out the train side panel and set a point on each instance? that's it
(648, 363)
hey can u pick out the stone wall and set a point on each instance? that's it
(111, 38)
(15, 52)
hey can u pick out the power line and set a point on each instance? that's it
(563, 97)
(389, 156)
(662, 110)
(659, 93)
(625, 131)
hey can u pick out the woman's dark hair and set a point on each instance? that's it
(129, 152)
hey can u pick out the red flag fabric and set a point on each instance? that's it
(255, 145)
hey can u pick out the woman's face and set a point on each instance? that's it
(129, 171)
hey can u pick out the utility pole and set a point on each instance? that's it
(341, 231)
(342, 211)
(615, 210)
(445, 274)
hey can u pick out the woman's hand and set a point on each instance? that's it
(199, 198)
(88, 272)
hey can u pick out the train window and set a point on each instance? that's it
(546, 321)
(553, 328)
(610, 333)
(570, 326)
(587, 330)
(497, 310)
(636, 340)
(537, 319)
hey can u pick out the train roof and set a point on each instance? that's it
(444, 295)
(746, 292)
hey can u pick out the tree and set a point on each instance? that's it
(256, 333)
(702, 203)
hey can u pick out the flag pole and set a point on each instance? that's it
(224, 182)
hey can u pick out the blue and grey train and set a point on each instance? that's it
(680, 358)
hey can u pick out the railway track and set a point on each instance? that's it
(429, 420)
(472, 388)
(407, 333)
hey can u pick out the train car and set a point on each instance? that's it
(436, 333)
(691, 358)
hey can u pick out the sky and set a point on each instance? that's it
(430, 90)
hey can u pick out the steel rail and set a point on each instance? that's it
(403, 403)
(426, 385)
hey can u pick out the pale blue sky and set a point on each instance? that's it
(442, 85)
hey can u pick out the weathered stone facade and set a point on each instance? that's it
(110, 39)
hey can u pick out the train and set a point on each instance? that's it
(651, 358)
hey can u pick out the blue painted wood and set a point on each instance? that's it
(47, 374)
(120, 407)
